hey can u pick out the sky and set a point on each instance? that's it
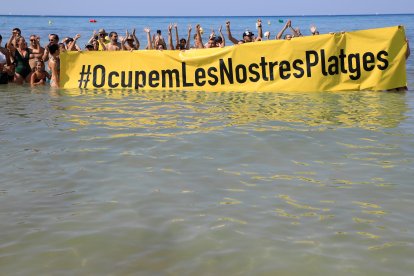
(204, 7)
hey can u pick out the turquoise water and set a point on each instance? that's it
(105, 182)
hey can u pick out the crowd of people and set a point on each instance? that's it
(20, 63)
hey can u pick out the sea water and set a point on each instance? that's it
(107, 182)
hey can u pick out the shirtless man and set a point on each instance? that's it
(113, 45)
(37, 51)
(248, 36)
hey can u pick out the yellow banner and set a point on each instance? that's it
(361, 60)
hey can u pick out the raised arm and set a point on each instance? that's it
(296, 31)
(45, 56)
(123, 40)
(260, 30)
(11, 42)
(313, 30)
(231, 38)
(135, 39)
(287, 25)
(177, 38)
(149, 45)
(199, 39)
(92, 38)
(72, 44)
(187, 45)
(223, 41)
(170, 41)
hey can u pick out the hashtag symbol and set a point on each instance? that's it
(84, 76)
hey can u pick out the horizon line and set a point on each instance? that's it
(297, 15)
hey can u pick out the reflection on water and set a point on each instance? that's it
(175, 113)
(205, 183)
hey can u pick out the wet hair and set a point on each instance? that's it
(53, 48)
(17, 30)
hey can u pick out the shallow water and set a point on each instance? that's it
(188, 183)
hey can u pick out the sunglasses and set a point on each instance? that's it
(32, 40)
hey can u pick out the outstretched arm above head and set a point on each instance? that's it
(229, 35)
(170, 40)
(137, 44)
(149, 44)
(287, 25)
(187, 45)
(260, 30)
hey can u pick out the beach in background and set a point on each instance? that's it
(123, 182)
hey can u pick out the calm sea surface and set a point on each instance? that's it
(194, 183)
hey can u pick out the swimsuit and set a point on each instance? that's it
(4, 79)
(22, 64)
